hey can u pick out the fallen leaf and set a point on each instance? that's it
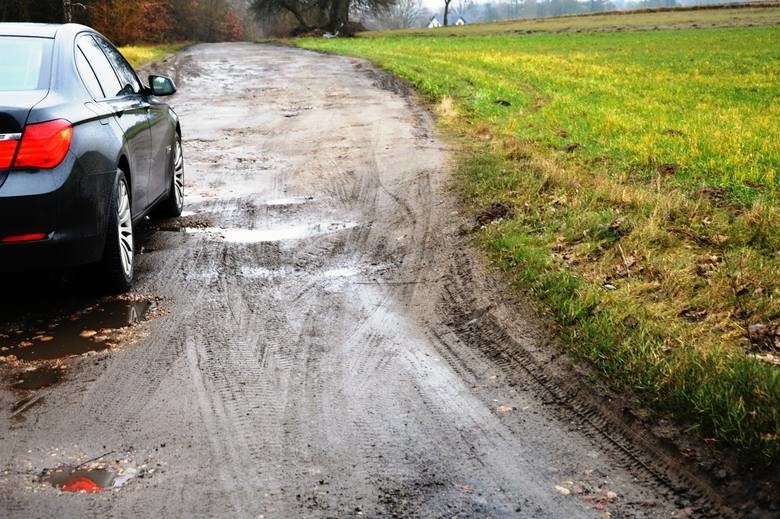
(88, 333)
(504, 409)
(563, 490)
(611, 496)
(46, 338)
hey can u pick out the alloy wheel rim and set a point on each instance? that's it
(178, 175)
(125, 230)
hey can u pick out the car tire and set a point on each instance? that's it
(173, 204)
(119, 254)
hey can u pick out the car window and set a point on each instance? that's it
(130, 83)
(88, 75)
(103, 69)
(24, 63)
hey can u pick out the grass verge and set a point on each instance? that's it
(139, 55)
(644, 173)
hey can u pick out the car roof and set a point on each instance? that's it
(39, 30)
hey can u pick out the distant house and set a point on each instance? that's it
(434, 22)
(460, 21)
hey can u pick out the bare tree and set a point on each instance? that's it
(464, 8)
(67, 9)
(329, 15)
(400, 15)
(446, 11)
(295, 7)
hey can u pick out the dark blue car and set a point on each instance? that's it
(86, 151)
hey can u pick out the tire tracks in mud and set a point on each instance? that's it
(570, 399)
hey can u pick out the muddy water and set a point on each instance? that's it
(80, 479)
(281, 233)
(293, 200)
(58, 336)
(37, 377)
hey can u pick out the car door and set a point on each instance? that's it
(130, 110)
(160, 123)
(163, 135)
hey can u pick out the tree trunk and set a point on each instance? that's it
(293, 8)
(446, 11)
(339, 16)
(323, 7)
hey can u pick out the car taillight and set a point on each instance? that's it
(8, 142)
(44, 145)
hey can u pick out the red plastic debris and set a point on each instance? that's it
(80, 484)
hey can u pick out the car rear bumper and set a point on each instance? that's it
(66, 205)
(52, 253)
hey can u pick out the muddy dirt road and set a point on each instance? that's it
(324, 345)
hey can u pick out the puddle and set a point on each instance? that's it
(293, 200)
(260, 272)
(78, 479)
(344, 272)
(38, 378)
(295, 232)
(280, 272)
(95, 328)
(185, 221)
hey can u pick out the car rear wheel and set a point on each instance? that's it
(119, 255)
(173, 205)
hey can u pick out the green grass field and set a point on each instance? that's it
(644, 172)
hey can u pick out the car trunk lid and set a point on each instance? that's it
(15, 107)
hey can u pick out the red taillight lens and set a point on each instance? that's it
(7, 150)
(44, 145)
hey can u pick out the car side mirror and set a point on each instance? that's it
(162, 85)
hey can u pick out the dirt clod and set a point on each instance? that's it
(764, 337)
(669, 168)
(496, 211)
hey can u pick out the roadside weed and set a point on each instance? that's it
(139, 55)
